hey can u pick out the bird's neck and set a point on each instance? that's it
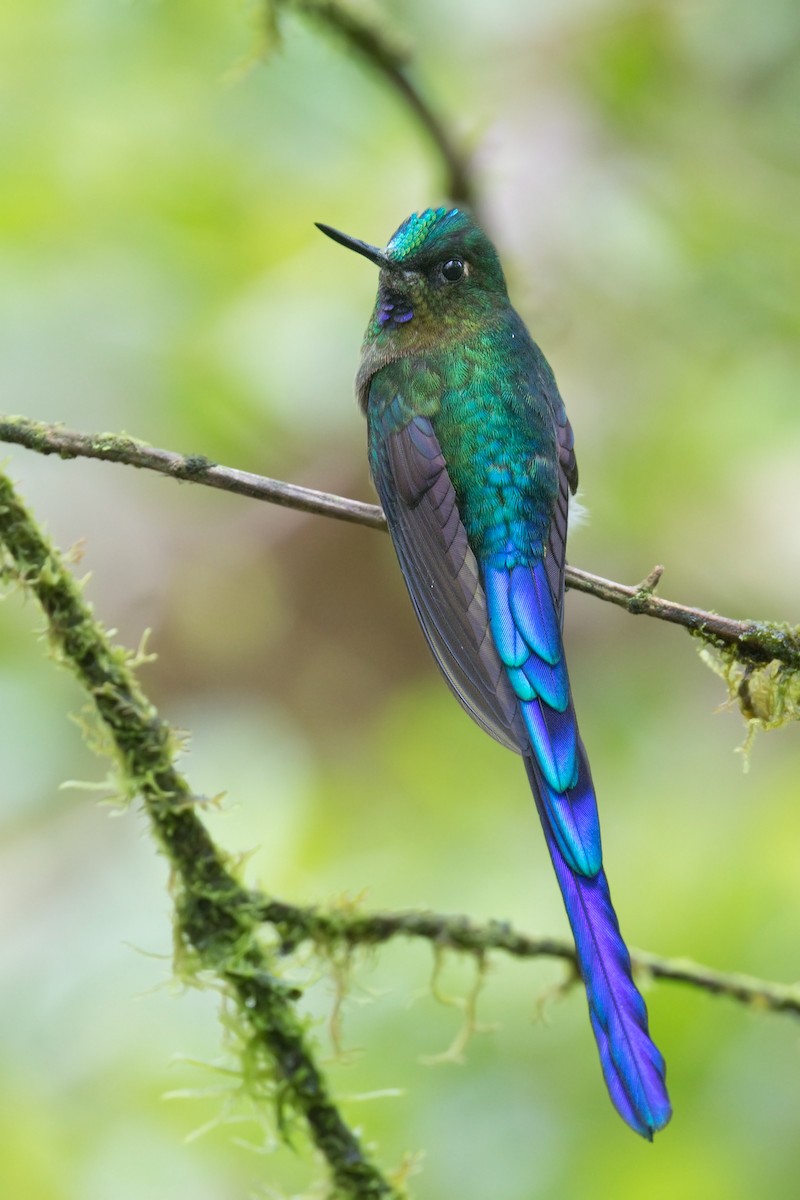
(424, 338)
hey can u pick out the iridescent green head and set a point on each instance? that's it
(437, 270)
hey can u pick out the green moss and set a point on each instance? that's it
(766, 694)
(217, 920)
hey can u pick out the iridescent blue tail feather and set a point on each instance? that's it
(527, 633)
(632, 1065)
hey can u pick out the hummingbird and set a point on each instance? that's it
(473, 459)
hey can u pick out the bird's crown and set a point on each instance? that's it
(423, 230)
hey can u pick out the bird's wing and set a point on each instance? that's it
(555, 559)
(441, 572)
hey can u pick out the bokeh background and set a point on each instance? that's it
(160, 274)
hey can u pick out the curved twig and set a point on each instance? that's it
(753, 642)
(390, 62)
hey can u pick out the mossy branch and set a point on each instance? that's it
(334, 927)
(217, 919)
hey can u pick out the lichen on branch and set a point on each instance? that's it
(217, 919)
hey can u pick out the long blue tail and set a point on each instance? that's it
(526, 630)
(632, 1065)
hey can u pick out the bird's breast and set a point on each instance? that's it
(500, 448)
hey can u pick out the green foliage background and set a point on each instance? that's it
(159, 273)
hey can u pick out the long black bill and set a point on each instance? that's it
(371, 252)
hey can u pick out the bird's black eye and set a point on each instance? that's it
(452, 270)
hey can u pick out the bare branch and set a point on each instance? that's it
(755, 642)
(752, 642)
(190, 468)
(390, 62)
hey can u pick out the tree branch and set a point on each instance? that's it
(390, 62)
(217, 919)
(754, 643)
(340, 927)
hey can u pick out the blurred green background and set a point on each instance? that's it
(160, 274)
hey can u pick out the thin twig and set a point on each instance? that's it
(190, 468)
(336, 926)
(755, 642)
(379, 53)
